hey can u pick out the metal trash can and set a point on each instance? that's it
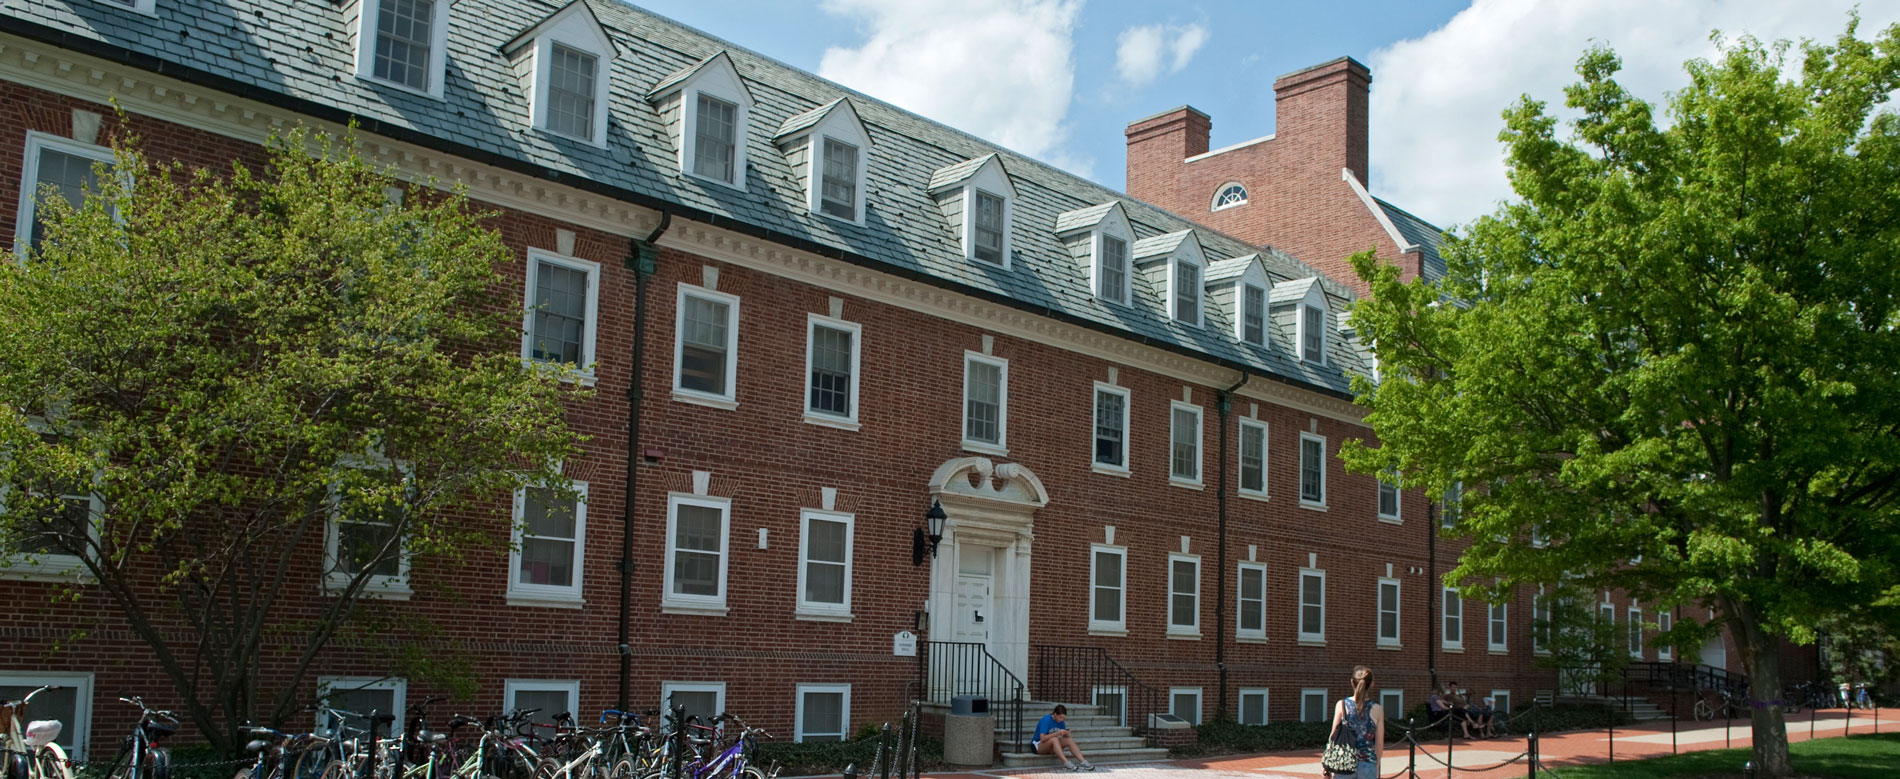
(969, 733)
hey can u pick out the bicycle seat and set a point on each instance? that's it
(257, 746)
(459, 721)
(160, 729)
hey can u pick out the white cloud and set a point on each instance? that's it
(1437, 100)
(1147, 52)
(1003, 70)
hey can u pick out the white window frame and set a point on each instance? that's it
(511, 686)
(1111, 626)
(1299, 617)
(575, 29)
(387, 587)
(730, 398)
(1095, 408)
(1120, 713)
(1325, 703)
(819, 156)
(1500, 702)
(61, 568)
(718, 689)
(672, 602)
(366, 32)
(1305, 501)
(589, 357)
(1299, 327)
(1184, 631)
(1240, 601)
(844, 710)
(1200, 434)
(969, 223)
(37, 142)
(1497, 632)
(147, 7)
(1240, 705)
(817, 609)
(826, 418)
(398, 685)
(1241, 309)
(1395, 710)
(1174, 295)
(545, 594)
(1451, 505)
(1635, 631)
(1448, 617)
(1397, 611)
(1540, 609)
(1001, 446)
(1398, 501)
(1214, 203)
(1097, 257)
(81, 684)
(717, 79)
(1664, 621)
(1240, 472)
(1200, 705)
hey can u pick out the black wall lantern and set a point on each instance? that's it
(925, 539)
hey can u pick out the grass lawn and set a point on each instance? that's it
(1860, 757)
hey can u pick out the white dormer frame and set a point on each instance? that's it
(841, 124)
(1188, 253)
(717, 77)
(993, 180)
(1254, 276)
(370, 11)
(574, 27)
(147, 7)
(1112, 224)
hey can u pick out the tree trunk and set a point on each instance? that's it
(1761, 654)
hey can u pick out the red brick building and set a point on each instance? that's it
(1131, 421)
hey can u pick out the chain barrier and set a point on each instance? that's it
(1520, 756)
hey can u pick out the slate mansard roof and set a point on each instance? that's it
(302, 50)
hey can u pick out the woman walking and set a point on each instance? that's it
(1365, 720)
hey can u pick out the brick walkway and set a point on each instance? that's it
(1650, 739)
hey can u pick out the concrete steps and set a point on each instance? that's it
(1100, 737)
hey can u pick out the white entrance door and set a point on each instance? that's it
(976, 593)
(1715, 653)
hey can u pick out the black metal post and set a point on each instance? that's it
(1811, 713)
(1675, 705)
(1411, 750)
(1612, 735)
(1533, 744)
(1451, 745)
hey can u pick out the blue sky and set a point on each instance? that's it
(1059, 79)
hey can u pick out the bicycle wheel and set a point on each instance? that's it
(1703, 711)
(547, 768)
(48, 763)
(310, 763)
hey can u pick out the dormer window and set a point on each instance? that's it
(1105, 248)
(403, 43)
(563, 63)
(1176, 268)
(1112, 278)
(1312, 334)
(1229, 195)
(826, 150)
(976, 198)
(707, 108)
(1253, 315)
(1186, 295)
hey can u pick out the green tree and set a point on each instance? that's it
(1673, 358)
(218, 389)
(1588, 651)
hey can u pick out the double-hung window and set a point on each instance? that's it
(1111, 428)
(1312, 470)
(838, 185)
(563, 304)
(1112, 278)
(1185, 703)
(367, 506)
(1253, 315)
(1313, 705)
(573, 76)
(985, 403)
(1253, 458)
(1184, 444)
(1452, 505)
(1108, 588)
(1389, 496)
(1187, 293)
(1388, 612)
(990, 224)
(1498, 638)
(54, 167)
(1453, 608)
(716, 139)
(1312, 334)
(831, 357)
(1636, 633)
(1251, 601)
(404, 42)
(1312, 605)
(1540, 622)
(64, 514)
(1184, 595)
(824, 712)
(550, 536)
(1253, 706)
(361, 695)
(697, 533)
(706, 355)
(824, 567)
(1664, 650)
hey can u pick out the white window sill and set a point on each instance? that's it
(1391, 647)
(1307, 504)
(820, 213)
(838, 422)
(1453, 649)
(74, 573)
(597, 143)
(1174, 481)
(1499, 651)
(1308, 641)
(812, 615)
(1108, 470)
(545, 601)
(687, 396)
(1175, 634)
(979, 447)
(393, 85)
(1392, 520)
(693, 609)
(371, 590)
(1107, 630)
(1259, 496)
(582, 378)
(1250, 639)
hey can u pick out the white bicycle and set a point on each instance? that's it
(30, 750)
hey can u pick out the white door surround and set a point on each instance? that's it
(997, 515)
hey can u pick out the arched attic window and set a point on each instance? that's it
(1229, 195)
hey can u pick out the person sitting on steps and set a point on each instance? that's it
(1052, 736)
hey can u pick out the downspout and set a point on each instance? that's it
(643, 261)
(1224, 404)
(1431, 590)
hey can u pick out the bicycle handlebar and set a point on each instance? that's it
(29, 696)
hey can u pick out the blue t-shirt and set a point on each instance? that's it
(1047, 724)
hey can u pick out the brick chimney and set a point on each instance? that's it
(1156, 147)
(1321, 110)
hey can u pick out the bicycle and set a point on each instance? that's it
(270, 747)
(141, 757)
(734, 761)
(572, 752)
(30, 747)
(1728, 708)
(424, 754)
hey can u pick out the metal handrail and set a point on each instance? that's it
(948, 669)
(1077, 673)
